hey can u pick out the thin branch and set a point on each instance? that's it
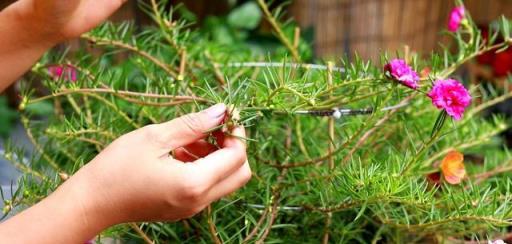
(479, 178)
(280, 34)
(116, 109)
(281, 65)
(211, 226)
(120, 92)
(21, 164)
(412, 227)
(315, 160)
(470, 143)
(216, 70)
(37, 145)
(156, 61)
(276, 195)
(352, 204)
(368, 133)
(262, 218)
(328, 216)
(141, 233)
(183, 65)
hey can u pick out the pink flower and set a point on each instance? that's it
(451, 96)
(496, 242)
(65, 72)
(403, 73)
(456, 17)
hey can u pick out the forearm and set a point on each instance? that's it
(20, 45)
(69, 215)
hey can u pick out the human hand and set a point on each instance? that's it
(135, 178)
(58, 20)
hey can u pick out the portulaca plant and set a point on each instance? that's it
(342, 151)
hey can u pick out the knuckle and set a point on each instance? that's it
(194, 122)
(241, 156)
(152, 133)
(124, 140)
(190, 212)
(193, 188)
(246, 175)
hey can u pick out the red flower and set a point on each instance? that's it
(65, 72)
(399, 71)
(456, 17)
(502, 63)
(451, 96)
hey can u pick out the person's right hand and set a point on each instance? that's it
(138, 180)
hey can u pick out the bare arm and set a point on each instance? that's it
(134, 178)
(30, 27)
(20, 46)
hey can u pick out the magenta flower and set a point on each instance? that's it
(451, 96)
(65, 72)
(496, 242)
(399, 71)
(456, 17)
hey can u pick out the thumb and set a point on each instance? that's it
(188, 128)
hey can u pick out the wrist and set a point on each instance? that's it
(90, 205)
(71, 214)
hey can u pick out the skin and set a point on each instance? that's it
(135, 178)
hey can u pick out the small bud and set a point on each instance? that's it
(63, 176)
(233, 113)
(6, 209)
(23, 104)
(8, 156)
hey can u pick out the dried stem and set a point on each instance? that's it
(218, 74)
(479, 178)
(280, 34)
(254, 231)
(328, 216)
(141, 233)
(368, 133)
(156, 61)
(37, 145)
(276, 195)
(120, 92)
(211, 226)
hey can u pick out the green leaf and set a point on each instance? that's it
(40, 108)
(247, 16)
(361, 211)
(6, 117)
(505, 28)
(438, 125)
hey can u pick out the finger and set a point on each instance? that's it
(188, 128)
(96, 12)
(223, 162)
(232, 183)
(235, 138)
(194, 151)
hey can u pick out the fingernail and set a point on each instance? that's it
(216, 111)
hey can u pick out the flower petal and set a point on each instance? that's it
(453, 168)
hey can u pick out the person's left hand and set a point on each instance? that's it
(58, 20)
